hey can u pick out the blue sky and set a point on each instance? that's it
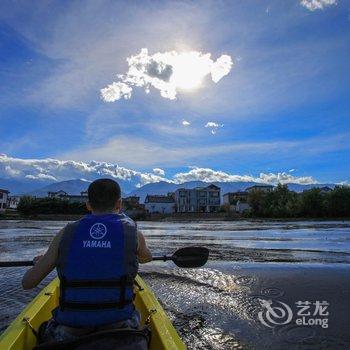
(284, 106)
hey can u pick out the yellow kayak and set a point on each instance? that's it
(19, 335)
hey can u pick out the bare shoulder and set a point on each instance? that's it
(64, 230)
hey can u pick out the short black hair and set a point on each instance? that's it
(103, 194)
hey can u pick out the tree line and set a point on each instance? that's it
(34, 206)
(313, 203)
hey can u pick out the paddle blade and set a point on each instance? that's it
(191, 257)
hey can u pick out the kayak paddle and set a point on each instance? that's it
(16, 263)
(183, 257)
(187, 257)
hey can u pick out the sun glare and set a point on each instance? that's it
(188, 71)
(167, 72)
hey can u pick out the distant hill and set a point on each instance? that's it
(301, 188)
(18, 187)
(70, 186)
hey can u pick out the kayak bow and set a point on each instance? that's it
(20, 336)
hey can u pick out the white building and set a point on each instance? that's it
(241, 207)
(237, 201)
(13, 201)
(160, 204)
(3, 199)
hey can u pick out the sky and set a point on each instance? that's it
(175, 90)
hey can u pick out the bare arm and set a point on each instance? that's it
(143, 253)
(43, 266)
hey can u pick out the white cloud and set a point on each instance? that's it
(286, 178)
(213, 126)
(167, 72)
(221, 67)
(185, 123)
(9, 170)
(313, 5)
(210, 175)
(116, 91)
(159, 171)
(60, 170)
(41, 176)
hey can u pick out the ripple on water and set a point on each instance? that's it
(273, 292)
(245, 280)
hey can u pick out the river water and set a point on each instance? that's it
(267, 285)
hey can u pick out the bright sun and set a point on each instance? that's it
(169, 72)
(188, 71)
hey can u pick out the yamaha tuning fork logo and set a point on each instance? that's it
(98, 230)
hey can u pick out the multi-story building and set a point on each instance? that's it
(199, 199)
(160, 204)
(3, 199)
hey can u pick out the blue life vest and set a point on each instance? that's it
(97, 264)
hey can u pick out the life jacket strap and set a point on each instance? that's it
(97, 283)
(122, 283)
(94, 306)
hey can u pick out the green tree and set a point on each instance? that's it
(312, 203)
(35, 206)
(338, 202)
(256, 200)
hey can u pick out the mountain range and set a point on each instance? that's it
(40, 188)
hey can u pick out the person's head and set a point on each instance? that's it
(104, 195)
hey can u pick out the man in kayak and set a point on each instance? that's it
(96, 260)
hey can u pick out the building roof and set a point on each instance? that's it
(4, 191)
(259, 186)
(55, 192)
(132, 198)
(210, 187)
(159, 199)
(213, 187)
